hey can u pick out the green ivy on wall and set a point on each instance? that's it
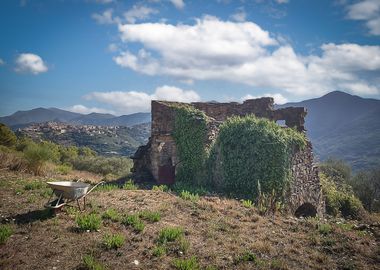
(190, 134)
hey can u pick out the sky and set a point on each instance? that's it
(114, 56)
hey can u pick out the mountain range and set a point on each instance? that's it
(338, 124)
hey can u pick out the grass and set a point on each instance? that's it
(150, 216)
(111, 214)
(324, 228)
(162, 188)
(170, 234)
(186, 195)
(107, 187)
(158, 251)
(135, 222)
(34, 185)
(130, 185)
(113, 241)
(186, 264)
(89, 222)
(90, 263)
(246, 257)
(247, 203)
(5, 232)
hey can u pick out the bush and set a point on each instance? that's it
(189, 196)
(64, 169)
(89, 222)
(37, 155)
(169, 234)
(150, 216)
(186, 264)
(7, 137)
(366, 185)
(113, 241)
(135, 222)
(90, 263)
(5, 232)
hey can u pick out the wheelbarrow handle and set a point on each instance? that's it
(102, 182)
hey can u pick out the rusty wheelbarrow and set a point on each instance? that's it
(67, 191)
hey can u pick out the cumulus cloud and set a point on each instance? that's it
(135, 101)
(278, 98)
(106, 17)
(179, 4)
(30, 63)
(139, 13)
(243, 52)
(86, 110)
(368, 11)
(240, 15)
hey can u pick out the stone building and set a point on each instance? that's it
(157, 160)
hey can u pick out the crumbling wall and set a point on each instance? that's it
(158, 159)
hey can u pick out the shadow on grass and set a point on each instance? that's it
(32, 216)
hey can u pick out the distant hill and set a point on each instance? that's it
(344, 126)
(22, 119)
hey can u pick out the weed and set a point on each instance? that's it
(34, 185)
(129, 185)
(135, 222)
(72, 211)
(345, 226)
(90, 263)
(107, 187)
(45, 193)
(170, 234)
(246, 257)
(162, 188)
(5, 232)
(111, 214)
(183, 244)
(158, 251)
(276, 264)
(186, 264)
(247, 203)
(113, 241)
(324, 228)
(150, 216)
(186, 195)
(89, 222)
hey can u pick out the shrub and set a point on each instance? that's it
(169, 234)
(64, 169)
(113, 241)
(36, 156)
(186, 195)
(135, 222)
(150, 216)
(324, 228)
(90, 263)
(247, 203)
(119, 166)
(130, 185)
(186, 264)
(5, 232)
(89, 222)
(111, 214)
(162, 188)
(7, 137)
(366, 185)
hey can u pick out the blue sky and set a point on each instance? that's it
(115, 56)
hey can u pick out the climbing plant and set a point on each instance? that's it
(190, 133)
(252, 152)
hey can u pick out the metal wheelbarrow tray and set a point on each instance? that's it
(67, 191)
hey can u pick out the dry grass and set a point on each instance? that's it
(217, 232)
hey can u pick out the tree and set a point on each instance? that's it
(7, 137)
(366, 185)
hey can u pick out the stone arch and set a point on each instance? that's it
(306, 210)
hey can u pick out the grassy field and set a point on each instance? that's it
(128, 228)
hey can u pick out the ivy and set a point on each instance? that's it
(255, 152)
(190, 134)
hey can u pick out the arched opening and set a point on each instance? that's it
(306, 210)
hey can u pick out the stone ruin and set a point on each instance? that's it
(158, 158)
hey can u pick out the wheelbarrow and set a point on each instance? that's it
(67, 192)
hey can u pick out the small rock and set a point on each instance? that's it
(136, 262)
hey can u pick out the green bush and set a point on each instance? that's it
(37, 155)
(150, 216)
(186, 195)
(64, 169)
(119, 166)
(113, 241)
(253, 151)
(135, 222)
(366, 185)
(7, 137)
(89, 222)
(5, 232)
(186, 264)
(169, 234)
(111, 214)
(90, 263)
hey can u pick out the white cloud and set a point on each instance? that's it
(2, 62)
(134, 101)
(30, 63)
(179, 4)
(240, 15)
(112, 47)
(104, 1)
(86, 110)
(106, 17)
(369, 11)
(282, 1)
(138, 12)
(278, 98)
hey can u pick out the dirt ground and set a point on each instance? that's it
(219, 232)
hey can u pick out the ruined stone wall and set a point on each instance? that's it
(159, 157)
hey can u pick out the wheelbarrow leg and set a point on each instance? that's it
(78, 205)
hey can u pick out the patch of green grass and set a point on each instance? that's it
(90, 263)
(72, 211)
(130, 185)
(150, 216)
(246, 257)
(45, 193)
(135, 222)
(162, 188)
(324, 228)
(64, 169)
(113, 241)
(5, 232)
(247, 203)
(169, 234)
(186, 195)
(159, 251)
(186, 264)
(107, 187)
(89, 222)
(345, 226)
(111, 214)
(34, 185)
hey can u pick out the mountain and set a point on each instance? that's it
(22, 119)
(344, 126)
